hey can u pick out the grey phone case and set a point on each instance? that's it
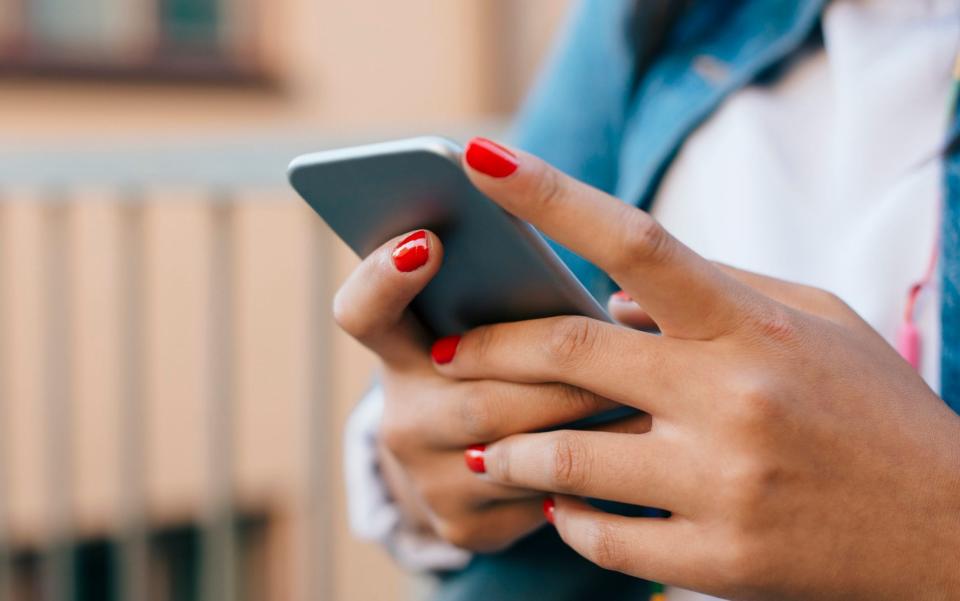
(496, 268)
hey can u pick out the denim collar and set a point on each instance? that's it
(696, 74)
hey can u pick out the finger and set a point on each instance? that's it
(642, 469)
(625, 311)
(684, 293)
(658, 549)
(804, 298)
(478, 411)
(584, 353)
(371, 306)
(494, 528)
(809, 299)
(452, 486)
(487, 410)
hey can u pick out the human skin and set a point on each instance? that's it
(800, 457)
(429, 418)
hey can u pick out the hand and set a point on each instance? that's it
(429, 419)
(799, 455)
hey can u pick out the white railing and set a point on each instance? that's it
(132, 180)
(55, 529)
(224, 183)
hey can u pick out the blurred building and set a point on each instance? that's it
(171, 388)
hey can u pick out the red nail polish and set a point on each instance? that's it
(474, 458)
(444, 349)
(412, 252)
(549, 506)
(622, 296)
(490, 158)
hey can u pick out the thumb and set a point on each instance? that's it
(371, 306)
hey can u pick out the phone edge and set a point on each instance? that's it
(450, 150)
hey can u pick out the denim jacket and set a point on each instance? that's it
(589, 117)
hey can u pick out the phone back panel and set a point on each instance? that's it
(496, 268)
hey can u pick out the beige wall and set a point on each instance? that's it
(342, 67)
(339, 65)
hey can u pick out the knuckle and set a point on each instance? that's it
(472, 535)
(605, 547)
(833, 307)
(580, 401)
(351, 321)
(435, 495)
(778, 325)
(548, 188)
(482, 341)
(826, 298)
(569, 467)
(749, 486)
(501, 463)
(644, 240)
(394, 439)
(756, 401)
(456, 533)
(570, 339)
(397, 435)
(821, 299)
(481, 413)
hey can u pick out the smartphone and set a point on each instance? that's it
(496, 268)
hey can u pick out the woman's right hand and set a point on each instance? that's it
(429, 420)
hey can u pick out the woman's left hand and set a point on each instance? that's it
(799, 455)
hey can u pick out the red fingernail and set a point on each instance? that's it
(549, 506)
(444, 349)
(474, 458)
(622, 296)
(412, 252)
(490, 158)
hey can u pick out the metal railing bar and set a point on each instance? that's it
(58, 569)
(254, 160)
(132, 465)
(319, 461)
(6, 582)
(219, 557)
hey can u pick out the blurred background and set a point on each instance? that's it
(172, 391)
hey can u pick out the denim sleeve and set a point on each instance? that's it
(574, 116)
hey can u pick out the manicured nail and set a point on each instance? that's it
(621, 296)
(474, 458)
(444, 349)
(549, 506)
(412, 252)
(490, 158)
